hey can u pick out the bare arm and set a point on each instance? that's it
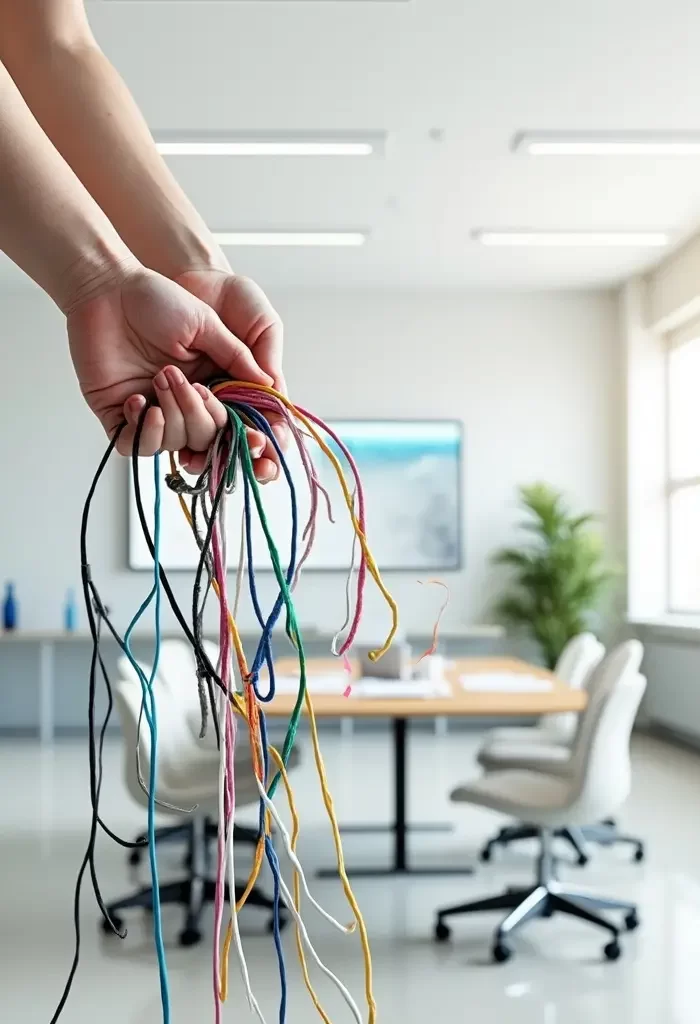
(126, 325)
(89, 114)
(49, 224)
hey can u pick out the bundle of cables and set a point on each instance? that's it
(232, 689)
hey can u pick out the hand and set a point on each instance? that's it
(244, 308)
(145, 333)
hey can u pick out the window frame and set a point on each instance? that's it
(674, 485)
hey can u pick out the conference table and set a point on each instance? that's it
(457, 702)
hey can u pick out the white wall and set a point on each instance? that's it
(535, 378)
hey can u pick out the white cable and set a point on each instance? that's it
(289, 900)
(286, 839)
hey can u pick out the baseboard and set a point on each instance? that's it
(678, 737)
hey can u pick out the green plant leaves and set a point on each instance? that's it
(558, 574)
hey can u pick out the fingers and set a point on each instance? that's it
(228, 352)
(153, 427)
(169, 384)
(192, 415)
(264, 467)
(186, 420)
(188, 416)
(266, 471)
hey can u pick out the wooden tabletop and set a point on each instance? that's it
(459, 703)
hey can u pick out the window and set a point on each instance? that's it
(684, 472)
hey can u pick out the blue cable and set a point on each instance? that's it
(264, 650)
(149, 708)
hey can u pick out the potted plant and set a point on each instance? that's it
(559, 572)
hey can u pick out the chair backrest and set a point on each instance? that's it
(581, 655)
(177, 670)
(127, 699)
(176, 744)
(600, 763)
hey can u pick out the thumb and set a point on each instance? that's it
(228, 352)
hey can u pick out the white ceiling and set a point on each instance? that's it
(477, 72)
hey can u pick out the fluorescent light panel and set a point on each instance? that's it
(609, 144)
(291, 238)
(308, 145)
(574, 239)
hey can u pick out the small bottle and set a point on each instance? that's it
(70, 612)
(9, 608)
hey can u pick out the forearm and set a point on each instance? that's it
(86, 110)
(49, 225)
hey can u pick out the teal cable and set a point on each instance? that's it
(149, 708)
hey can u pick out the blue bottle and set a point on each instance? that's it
(70, 612)
(9, 608)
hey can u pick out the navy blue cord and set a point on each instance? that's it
(275, 866)
(264, 650)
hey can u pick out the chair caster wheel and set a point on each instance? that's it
(442, 932)
(612, 951)
(189, 937)
(501, 953)
(632, 921)
(486, 854)
(134, 858)
(639, 854)
(582, 860)
(107, 927)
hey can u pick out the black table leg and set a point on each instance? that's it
(400, 827)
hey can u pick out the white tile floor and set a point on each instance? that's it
(557, 976)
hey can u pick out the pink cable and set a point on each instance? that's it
(263, 401)
(362, 569)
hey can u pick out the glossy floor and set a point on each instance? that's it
(557, 976)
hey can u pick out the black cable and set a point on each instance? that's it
(97, 615)
(200, 652)
(95, 784)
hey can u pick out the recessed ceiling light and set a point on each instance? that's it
(299, 238)
(591, 239)
(282, 144)
(609, 143)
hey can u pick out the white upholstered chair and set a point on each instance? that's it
(515, 748)
(574, 667)
(187, 791)
(590, 787)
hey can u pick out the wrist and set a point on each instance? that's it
(93, 272)
(196, 252)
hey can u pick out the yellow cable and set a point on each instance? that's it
(349, 501)
(251, 714)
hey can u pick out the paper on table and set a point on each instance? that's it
(331, 683)
(369, 686)
(504, 682)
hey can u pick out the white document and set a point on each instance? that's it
(332, 683)
(504, 682)
(394, 689)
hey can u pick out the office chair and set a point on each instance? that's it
(177, 671)
(187, 777)
(593, 786)
(518, 749)
(576, 662)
